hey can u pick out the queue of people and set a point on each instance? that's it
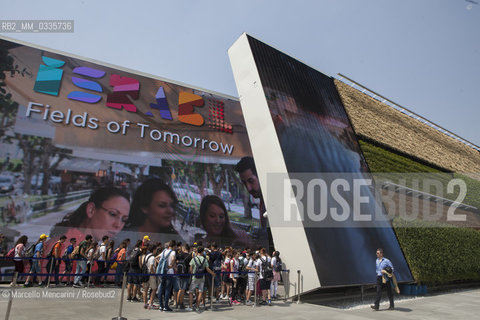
(229, 272)
(174, 273)
(181, 274)
(184, 276)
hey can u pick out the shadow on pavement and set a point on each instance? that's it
(403, 309)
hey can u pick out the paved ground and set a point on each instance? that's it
(82, 304)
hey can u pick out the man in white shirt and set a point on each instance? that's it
(149, 260)
(102, 250)
(166, 282)
(252, 266)
(265, 262)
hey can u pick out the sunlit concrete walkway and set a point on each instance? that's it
(94, 303)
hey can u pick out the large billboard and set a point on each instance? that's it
(316, 183)
(72, 129)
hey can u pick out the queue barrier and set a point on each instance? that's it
(111, 261)
(62, 259)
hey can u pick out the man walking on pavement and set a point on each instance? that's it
(383, 265)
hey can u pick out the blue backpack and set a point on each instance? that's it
(162, 267)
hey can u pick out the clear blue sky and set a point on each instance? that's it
(423, 54)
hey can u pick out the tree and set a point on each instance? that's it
(216, 177)
(39, 155)
(50, 158)
(38, 152)
(199, 173)
(30, 146)
(8, 108)
(195, 173)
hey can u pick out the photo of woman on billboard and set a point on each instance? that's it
(153, 209)
(104, 213)
(215, 221)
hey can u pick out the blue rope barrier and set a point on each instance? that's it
(60, 259)
(128, 274)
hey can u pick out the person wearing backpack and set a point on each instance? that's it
(175, 289)
(226, 280)
(92, 255)
(37, 255)
(19, 253)
(198, 266)
(81, 259)
(101, 260)
(234, 265)
(277, 269)
(216, 257)
(265, 276)
(54, 257)
(183, 267)
(68, 261)
(253, 266)
(109, 258)
(166, 266)
(242, 275)
(148, 267)
(121, 253)
(133, 287)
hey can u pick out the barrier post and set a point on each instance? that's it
(229, 298)
(52, 261)
(211, 292)
(255, 289)
(285, 287)
(10, 298)
(299, 287)
(124, 282)
(89, 272)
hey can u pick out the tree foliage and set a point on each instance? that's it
(39, 153)
(8, 108)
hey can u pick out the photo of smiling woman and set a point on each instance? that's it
(153, 210)
(215, 221)
(104, 213)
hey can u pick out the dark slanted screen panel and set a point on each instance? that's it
(343, 221)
